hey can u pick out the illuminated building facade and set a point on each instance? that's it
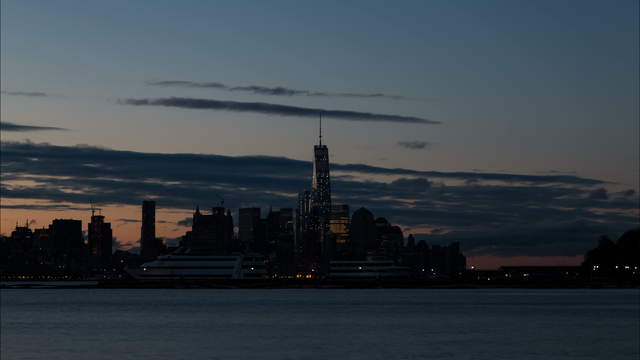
(339, 223)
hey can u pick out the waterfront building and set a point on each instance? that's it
(373, 267)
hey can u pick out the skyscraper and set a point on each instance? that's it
(313, 212)
(148, 245)
(68, 242)
(66, 234)
(303, 214)
(321, 185)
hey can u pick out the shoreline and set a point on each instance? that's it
(304, 284)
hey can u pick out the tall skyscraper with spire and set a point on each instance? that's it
(321, 184)
(313, 213)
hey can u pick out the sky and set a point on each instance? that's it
(510, 126)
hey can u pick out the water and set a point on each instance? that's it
(319, 324)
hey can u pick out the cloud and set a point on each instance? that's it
(47, 207)
(414, 145)
(273, 109)
(566, 238)
(24, 93)
(482, 215)
(172, 241)
(626, 193)
(419, 185)
(192, 84)
(271, 90)
(188, 221)
(124, 220)
(7, 126)
(116, 244)
(599, 194)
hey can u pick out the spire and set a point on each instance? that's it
(320, 129)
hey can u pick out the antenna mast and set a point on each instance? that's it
(321, 128)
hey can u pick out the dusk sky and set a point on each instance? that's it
(510, 126)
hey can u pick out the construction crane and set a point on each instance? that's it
(93, 209)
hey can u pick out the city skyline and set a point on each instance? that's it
(524, 159)
(313, 211)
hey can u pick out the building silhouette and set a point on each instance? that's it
(363, 234)
(22, 237)
(389, 237)
(66, 234)
(100, 241)
(248, 220)
(286, 220)
(68, 244)
(212, 233)
(149, 246)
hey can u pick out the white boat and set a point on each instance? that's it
(203, 267)
(374, 267)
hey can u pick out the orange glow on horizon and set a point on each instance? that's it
(127, 232)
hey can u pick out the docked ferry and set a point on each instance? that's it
(203, 267)
(374, 267)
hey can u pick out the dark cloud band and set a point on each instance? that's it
(7, 126)
(271, 90)
(414, 145)
(274, 109)
(24, 93)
